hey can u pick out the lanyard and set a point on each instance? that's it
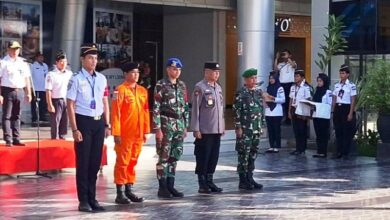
(92, 84)
(296, 91)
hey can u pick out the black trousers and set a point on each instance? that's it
(273, 127)
(300, 133)
(344, 129)
(58, 119)
(88, 156)
(11, 114)
(286, 88)
(321, 127)
(42, 106)
(207, 153)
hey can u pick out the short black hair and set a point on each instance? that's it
(286, 51)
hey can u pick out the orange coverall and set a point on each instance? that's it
(130, 121)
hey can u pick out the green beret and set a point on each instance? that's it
(249, 72)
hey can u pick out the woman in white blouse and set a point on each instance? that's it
(322, 125)
(273, 100)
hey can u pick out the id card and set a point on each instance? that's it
(93, 104)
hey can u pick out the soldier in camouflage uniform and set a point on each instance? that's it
(171, 118)
(248, 111)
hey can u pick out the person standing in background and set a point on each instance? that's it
(344, 117)
(39, 71)
(273, 100)
(322, 125)
(285, 66)
(15, 75)
(56, 85)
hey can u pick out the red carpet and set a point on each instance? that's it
(54, 155)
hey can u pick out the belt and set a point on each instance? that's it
(54, 99)
(95, 118)
(343, 104)
(171, 115)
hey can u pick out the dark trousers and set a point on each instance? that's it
(88, 156)
(300, 132)
(286, 88)
(321, 127)
(58, 119)
(11, 114)
(207, 153)
(344, 129)
(42, 106)
(273, 127)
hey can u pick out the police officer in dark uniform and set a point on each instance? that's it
(207, 123)
(88, 111)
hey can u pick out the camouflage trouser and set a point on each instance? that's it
(170, 149)
(247, 147)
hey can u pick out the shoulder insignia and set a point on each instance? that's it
(70, 83)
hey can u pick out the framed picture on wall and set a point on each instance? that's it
(21, 21)
(113, 34)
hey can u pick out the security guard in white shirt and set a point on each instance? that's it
(39, 71)
(88, 111)
(15, 75)
(300, 91)
(56, 84)
(344, 118)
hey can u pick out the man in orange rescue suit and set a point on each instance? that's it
(130, 124)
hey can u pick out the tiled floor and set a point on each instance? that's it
(296, 187)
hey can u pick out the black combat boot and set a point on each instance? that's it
(211, 185)
(253, 182)
(171, 188)
(120, 196)
(130, 195)
(244, 183)
(163, 190)
(203, 187)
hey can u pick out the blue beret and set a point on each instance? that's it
(175, 62)
(249, 72)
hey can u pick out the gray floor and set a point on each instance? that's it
(296, 187)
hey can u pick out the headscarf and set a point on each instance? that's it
(272, 89)
(321, 91)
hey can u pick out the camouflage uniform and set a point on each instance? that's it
(248, 111)
(170, 114)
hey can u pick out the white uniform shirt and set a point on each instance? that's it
(327, 98)
(57, 83)
(298, 93)
(286, 74)
(13, 73)
(80, 89)
(279, 100)
(344, 92)
(38, 75)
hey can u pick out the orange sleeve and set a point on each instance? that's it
(116, 107)
(146, 114)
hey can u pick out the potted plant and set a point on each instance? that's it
(374, 95)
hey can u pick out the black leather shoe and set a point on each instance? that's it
(18, 143)
(96, 206)
(295, 152)
(8, 144)
(319, 155)
(85, 207)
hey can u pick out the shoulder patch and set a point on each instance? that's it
(70, 83)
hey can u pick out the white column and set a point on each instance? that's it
(256, 34)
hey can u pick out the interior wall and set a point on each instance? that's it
(189, 37)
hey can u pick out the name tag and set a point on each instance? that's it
(93, 104)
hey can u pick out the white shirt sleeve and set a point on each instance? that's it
(49, 82)
(307, 94)
(353, 90)
(26, 70)
(72, 88)
(292, 92)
